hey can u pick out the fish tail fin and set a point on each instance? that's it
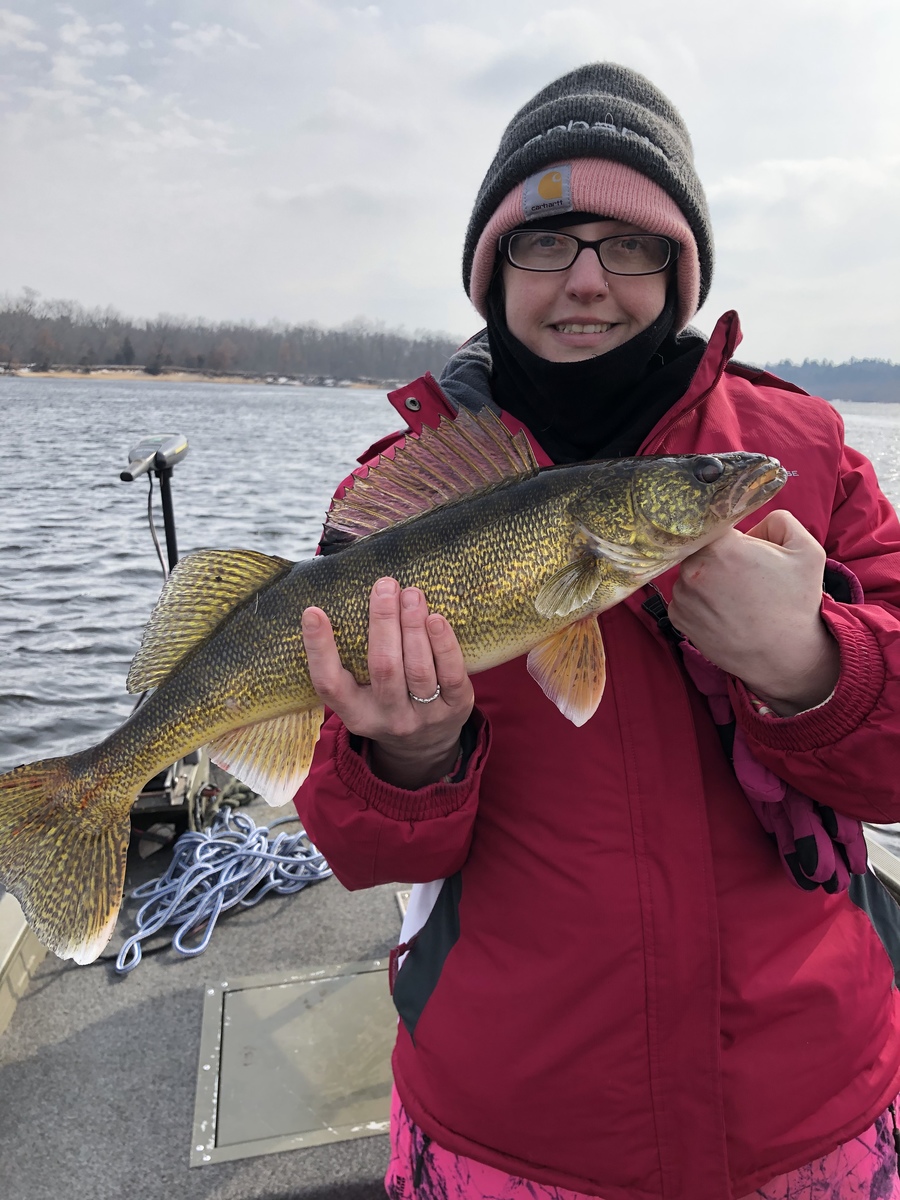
(63, 843)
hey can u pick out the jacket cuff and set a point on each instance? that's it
(858, 688)
(402, 804)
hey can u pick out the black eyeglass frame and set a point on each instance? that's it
(506, 238)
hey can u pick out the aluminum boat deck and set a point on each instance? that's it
(99, 1072)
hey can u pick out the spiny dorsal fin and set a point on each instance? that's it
(461, 456)
(201, 591)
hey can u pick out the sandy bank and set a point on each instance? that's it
(121, 376)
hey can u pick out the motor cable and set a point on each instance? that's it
(152, 524)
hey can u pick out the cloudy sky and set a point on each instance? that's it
(317, 159)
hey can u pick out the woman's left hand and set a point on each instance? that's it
(751, 604)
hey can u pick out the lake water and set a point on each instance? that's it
(78, 571)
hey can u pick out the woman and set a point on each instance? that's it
(633, 969)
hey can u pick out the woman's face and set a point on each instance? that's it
(573, 315)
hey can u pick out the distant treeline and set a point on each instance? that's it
(50, 333)
(858, 379)
(45, 334)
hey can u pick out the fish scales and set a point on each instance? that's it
(254, 667)
(476, 561)
(519, 566)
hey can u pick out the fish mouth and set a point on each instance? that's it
(753, 488)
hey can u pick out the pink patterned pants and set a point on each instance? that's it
(864, 1168)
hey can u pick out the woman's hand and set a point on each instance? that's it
(411, 651)
(751, 604)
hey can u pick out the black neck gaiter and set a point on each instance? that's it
(602, 407)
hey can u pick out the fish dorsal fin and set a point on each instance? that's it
(201, 591)
(272, 757)
(570, 667)
(436, 467)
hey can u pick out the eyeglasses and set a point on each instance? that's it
(620, 254)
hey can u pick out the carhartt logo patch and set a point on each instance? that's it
(549, 191)
(550, 186)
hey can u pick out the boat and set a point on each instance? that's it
(257, 1068)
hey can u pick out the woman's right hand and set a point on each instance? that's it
(411, 653)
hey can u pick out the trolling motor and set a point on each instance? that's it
(179, 794)
(159, 454)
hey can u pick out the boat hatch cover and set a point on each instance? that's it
(288, 1061)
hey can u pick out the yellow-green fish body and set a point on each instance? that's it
(517, 563)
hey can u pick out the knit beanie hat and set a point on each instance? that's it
(602, 139)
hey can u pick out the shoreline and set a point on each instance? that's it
(134, 375)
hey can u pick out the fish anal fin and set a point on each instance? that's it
(570, 667)
(201, 591)
(435, 467)
(272, 757)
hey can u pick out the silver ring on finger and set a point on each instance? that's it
(426, 699)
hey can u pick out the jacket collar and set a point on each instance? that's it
(724, 340)
(423, 402)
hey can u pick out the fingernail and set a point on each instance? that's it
(385, 587)
(311, 620)
(409, 597)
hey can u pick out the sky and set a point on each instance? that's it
(316, 160)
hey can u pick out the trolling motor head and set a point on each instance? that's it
(155, 453)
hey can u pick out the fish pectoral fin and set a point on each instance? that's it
(271, 757)
(571, 669)
(201, 591)
(574, 585)
(569, 588)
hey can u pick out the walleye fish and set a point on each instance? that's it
(520, 560)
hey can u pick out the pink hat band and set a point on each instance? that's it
(593, 185)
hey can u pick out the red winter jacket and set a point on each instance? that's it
(619, 991)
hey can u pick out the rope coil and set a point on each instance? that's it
(232, 863)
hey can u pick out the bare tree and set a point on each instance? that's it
(64, 332)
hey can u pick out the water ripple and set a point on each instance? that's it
(78, 571)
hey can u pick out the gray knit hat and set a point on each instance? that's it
(598, 111)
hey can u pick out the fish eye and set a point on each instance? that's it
(708, 469)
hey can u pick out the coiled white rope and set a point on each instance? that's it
(233, 862)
